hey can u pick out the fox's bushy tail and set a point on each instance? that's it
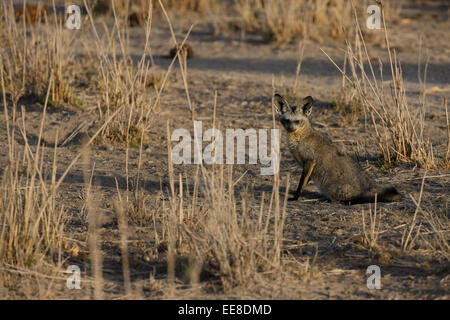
(386, 194)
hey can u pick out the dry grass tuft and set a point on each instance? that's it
(32, 220)
(34, 54)
(399, 129)
(348, 106)
(209, 233)
(284, 21)
(124, 84)
(235, 243)
(371, 232)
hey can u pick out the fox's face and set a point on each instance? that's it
(294, 118)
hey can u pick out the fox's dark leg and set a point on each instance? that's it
(304, 179)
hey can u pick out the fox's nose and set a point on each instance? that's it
(285, 123)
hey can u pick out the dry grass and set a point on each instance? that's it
(32, 222)
(222, 236)
(205, 234)
(137, 10)
(33, 53)
(371, 233)
(348, 106)
(279, 21)
(209, 232)
(438, 229)
(284, 21)
(123, 85)
(399, 128)
(32, 62)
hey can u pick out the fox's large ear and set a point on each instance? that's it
(307, 105)
(281, 103)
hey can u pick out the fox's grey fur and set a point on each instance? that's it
(338, 176)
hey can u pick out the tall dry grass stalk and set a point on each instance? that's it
(398, 127)
(123, 228)
(447, 154)
(94, 219)
(372, 232)
(408, 237)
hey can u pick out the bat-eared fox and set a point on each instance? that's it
(337, 175)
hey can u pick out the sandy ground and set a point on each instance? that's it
(241, 71)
